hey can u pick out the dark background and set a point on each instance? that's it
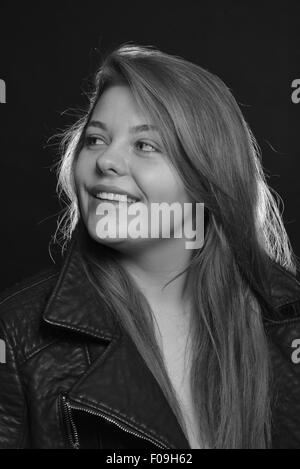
(48, 52)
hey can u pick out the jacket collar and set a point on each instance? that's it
(82, 313)
(121, 389)
(74, 304)
(285, 287)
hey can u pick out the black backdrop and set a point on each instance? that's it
(48, 52)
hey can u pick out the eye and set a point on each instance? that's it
(91, 140)
(149, 148)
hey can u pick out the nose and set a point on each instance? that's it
(112, 161)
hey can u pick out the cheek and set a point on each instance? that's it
(80, 179)
(79, 169)
(82, 171)
(162, 185)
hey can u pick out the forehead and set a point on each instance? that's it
(116, 103)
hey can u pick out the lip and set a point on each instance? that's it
(113, 189)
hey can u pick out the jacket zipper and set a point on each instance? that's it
(73, 433)
(71, 427)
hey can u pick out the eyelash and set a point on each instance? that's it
(89, 138)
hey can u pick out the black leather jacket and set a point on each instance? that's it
(73, 379)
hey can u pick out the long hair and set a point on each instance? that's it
(213, 150)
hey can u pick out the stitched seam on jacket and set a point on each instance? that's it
(270, 323)
(97, 362)
(27, 288)
(38, 350)
(82, 329)
(287, 304)
(124, 419)
(87, 354)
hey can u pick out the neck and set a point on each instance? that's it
(154, 267)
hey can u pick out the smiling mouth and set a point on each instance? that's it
(113, 197)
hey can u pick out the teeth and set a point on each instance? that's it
(113, 196)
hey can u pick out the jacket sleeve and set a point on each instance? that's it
(13, 412)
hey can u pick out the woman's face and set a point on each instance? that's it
(123, 155)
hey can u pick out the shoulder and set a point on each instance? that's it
(28, 291)
(285, 295)
(21, 309)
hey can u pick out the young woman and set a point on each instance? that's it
(143, 341)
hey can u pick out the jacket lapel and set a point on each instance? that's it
(118, 385)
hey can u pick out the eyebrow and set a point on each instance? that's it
(134, 129)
